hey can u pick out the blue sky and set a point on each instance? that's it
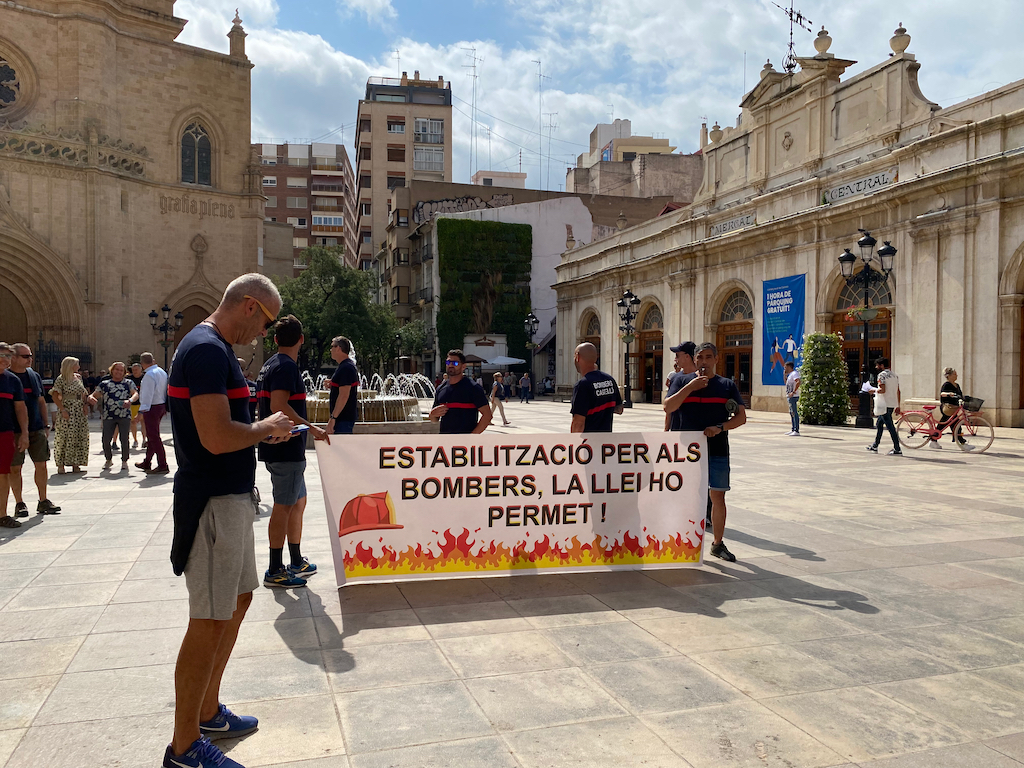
(664, 64)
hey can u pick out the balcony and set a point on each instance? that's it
(330, 167)
(428, 138)
(299, 263)
(427, 252)
(426, 295)
(328, 189)
(324, 228)
(335, 210)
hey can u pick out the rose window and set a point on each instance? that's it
(10, 88)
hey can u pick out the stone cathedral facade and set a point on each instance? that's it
(126, 181)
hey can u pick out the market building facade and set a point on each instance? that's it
(126, 178)
(813, 160)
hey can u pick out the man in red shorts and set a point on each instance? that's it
(12, 412)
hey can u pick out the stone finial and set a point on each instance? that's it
(716, 133)
(620, 222)
(237, 38)
(570, 241)
(822, 42)
(767, 69)
(899, 40)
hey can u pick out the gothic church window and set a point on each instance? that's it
(196, 156)
(10, 88)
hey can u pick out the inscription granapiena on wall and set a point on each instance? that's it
(193, 206)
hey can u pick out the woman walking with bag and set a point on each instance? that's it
(497, 395)
(71, 444)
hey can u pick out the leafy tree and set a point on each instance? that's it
(334, 300)
(414, 337)
(823, 381)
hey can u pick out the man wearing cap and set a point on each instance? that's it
(460, 404)
(595, 398)
(684, 352)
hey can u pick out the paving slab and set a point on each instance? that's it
(849, 632)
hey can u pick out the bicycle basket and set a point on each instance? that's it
(973, 403)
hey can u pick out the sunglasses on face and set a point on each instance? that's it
(270, 318)
(452, 363)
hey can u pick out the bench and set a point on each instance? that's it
(563, 392)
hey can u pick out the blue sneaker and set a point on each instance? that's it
(282, 579)
(228, 725)
(202, 754)
(303, 571)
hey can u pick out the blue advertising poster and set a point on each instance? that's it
(783, 327)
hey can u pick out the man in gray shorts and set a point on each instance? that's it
(280, 388)
(214, 443)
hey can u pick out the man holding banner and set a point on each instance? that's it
(595, 398)
(460, 404)
(703, 401)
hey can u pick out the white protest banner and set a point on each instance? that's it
(404, 507)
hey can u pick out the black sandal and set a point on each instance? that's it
(9, 522)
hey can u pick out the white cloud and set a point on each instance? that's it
(662, 65)
(376, 11)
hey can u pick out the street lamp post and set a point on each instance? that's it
(166, 328)
(865, 279)
(315, 354)
(530, 325)
(398, 354)
(629, 307)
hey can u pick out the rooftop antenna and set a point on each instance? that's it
(611, 112)
(471, 53)
(398, 58)
(795, 17)
(552, 125)
(540, 116)
(488, 148)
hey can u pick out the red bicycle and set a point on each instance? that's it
(972, 432)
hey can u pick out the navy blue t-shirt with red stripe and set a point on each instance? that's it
(463, 400)
(595, 397)
(346, 375)
(205, 364)
(252, 398)
(705, 408)
(281, 372)
(11, 391)
(32, 385)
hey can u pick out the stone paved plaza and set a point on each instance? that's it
(875, 618)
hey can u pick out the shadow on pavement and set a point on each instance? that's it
(797, 553)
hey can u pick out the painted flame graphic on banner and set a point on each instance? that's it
(460, 553)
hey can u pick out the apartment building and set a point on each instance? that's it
(407, 274)
(310, 187)
(404, 133)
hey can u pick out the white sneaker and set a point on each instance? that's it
(792, 434)
(935, 444)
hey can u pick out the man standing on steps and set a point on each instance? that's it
(705, 402)
(153, 406)
(38, 435)
(280, 389)
(459, 403)
(213, 543)
(595, 397)
(344, 397)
